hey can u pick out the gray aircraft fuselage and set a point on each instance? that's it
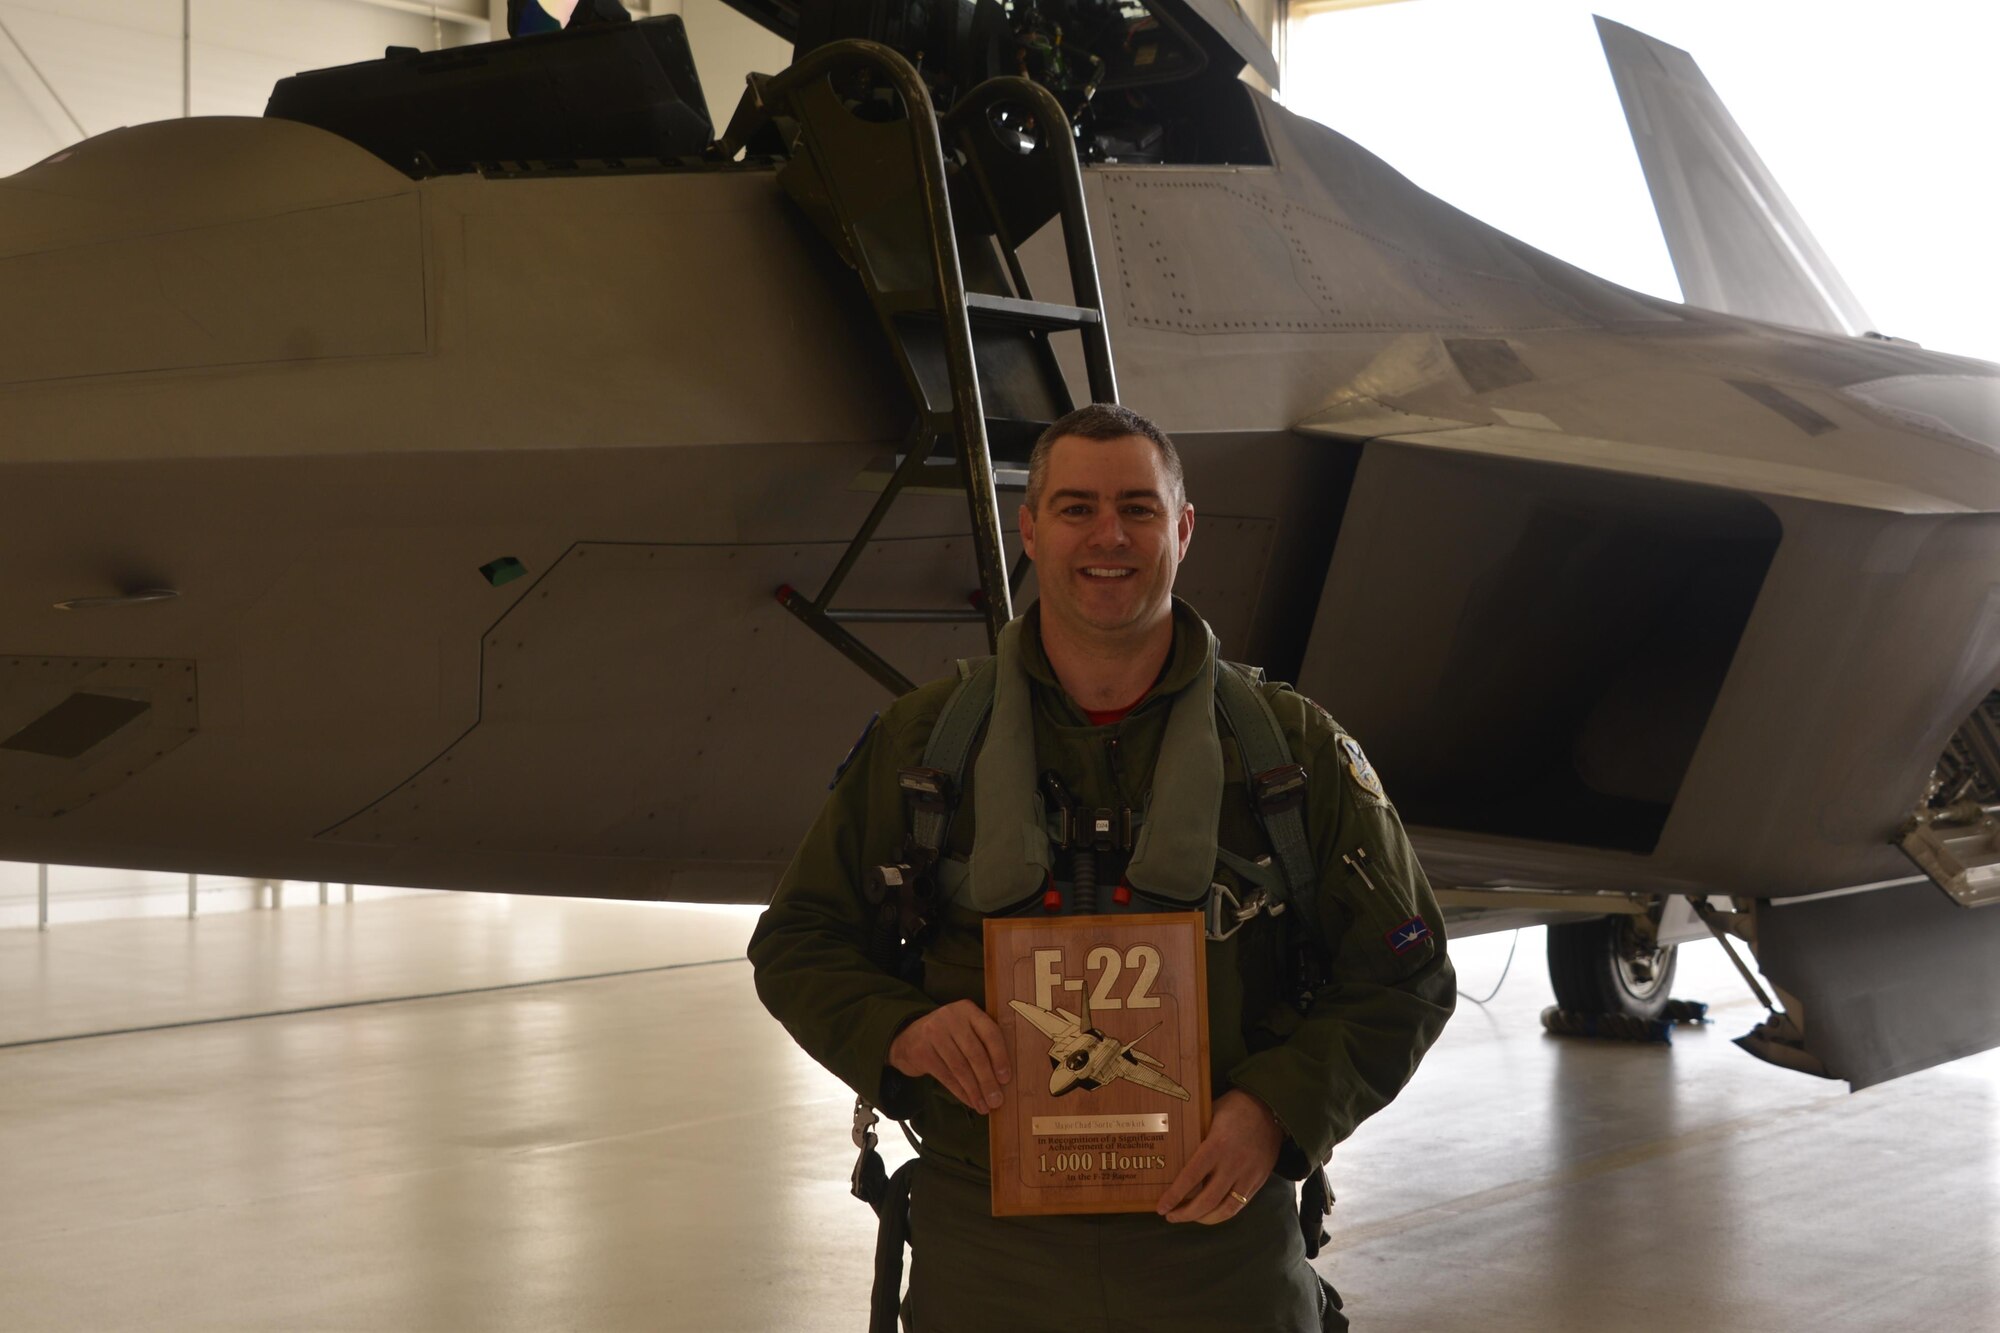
(1620, 594)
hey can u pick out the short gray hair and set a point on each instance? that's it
(1103, 421)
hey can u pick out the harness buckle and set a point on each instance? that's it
(1103, 831)
(928, 789)
(902, 892)
(1279, 789)
(865, 1121)
(869, 1181)
(1063, 806)
(1239, 911)
(880, 883)
(1275, 906)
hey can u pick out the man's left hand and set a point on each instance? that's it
(1231, 1165)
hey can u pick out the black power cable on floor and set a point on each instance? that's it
(1503, 973)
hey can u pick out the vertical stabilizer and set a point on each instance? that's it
(1737, 243)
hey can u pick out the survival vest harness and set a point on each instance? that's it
(1023, 822)
(1170, 855)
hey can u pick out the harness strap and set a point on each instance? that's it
(950, 745)
(947, 751)
(1315, 1202)
(891, 1234)
(1262, 744)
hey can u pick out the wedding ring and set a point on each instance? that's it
(1243, 1199)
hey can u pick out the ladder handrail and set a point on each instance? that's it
(927, 145)
(1074, 214)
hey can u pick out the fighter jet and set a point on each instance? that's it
(494, 469)
(1081, 1056)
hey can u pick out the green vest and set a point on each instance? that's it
(1169, 848)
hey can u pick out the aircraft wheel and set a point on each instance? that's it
(1604, 967)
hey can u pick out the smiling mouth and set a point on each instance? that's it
(1106, 572)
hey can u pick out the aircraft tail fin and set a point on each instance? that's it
(1737, 243)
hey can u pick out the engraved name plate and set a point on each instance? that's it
(1106, 1023)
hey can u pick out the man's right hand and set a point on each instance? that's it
(960, 1046)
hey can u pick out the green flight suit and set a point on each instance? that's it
(820, 969)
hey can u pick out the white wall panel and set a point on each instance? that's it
(727, 48)
(107, 71)
(119, 62)
(242, 47)
(162, 17)
(308, 34)
(31, 124)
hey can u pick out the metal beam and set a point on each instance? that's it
(16, 64)
(481, 17)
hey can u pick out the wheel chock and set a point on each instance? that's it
(1624, 1027)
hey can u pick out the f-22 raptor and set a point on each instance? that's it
(463, 476)
(1084, 1057)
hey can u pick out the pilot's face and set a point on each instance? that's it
(1108, 536)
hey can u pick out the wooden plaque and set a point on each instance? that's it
(1106, 1022)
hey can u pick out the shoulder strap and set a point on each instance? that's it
(1265, 752)
(951, 740)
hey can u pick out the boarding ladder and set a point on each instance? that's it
(930, 212)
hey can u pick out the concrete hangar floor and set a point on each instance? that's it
(469, 1112)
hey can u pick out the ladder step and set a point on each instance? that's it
(942, 476)
(1011, 311)
(987, 311)
(1009, 442)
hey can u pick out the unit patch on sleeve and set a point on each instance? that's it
(1407, 936)
(1361, 770)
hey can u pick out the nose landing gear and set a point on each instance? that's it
(1612, 965)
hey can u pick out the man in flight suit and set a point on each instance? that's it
(1107, 649)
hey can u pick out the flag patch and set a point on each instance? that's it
(1408, 935)
(859, 741)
